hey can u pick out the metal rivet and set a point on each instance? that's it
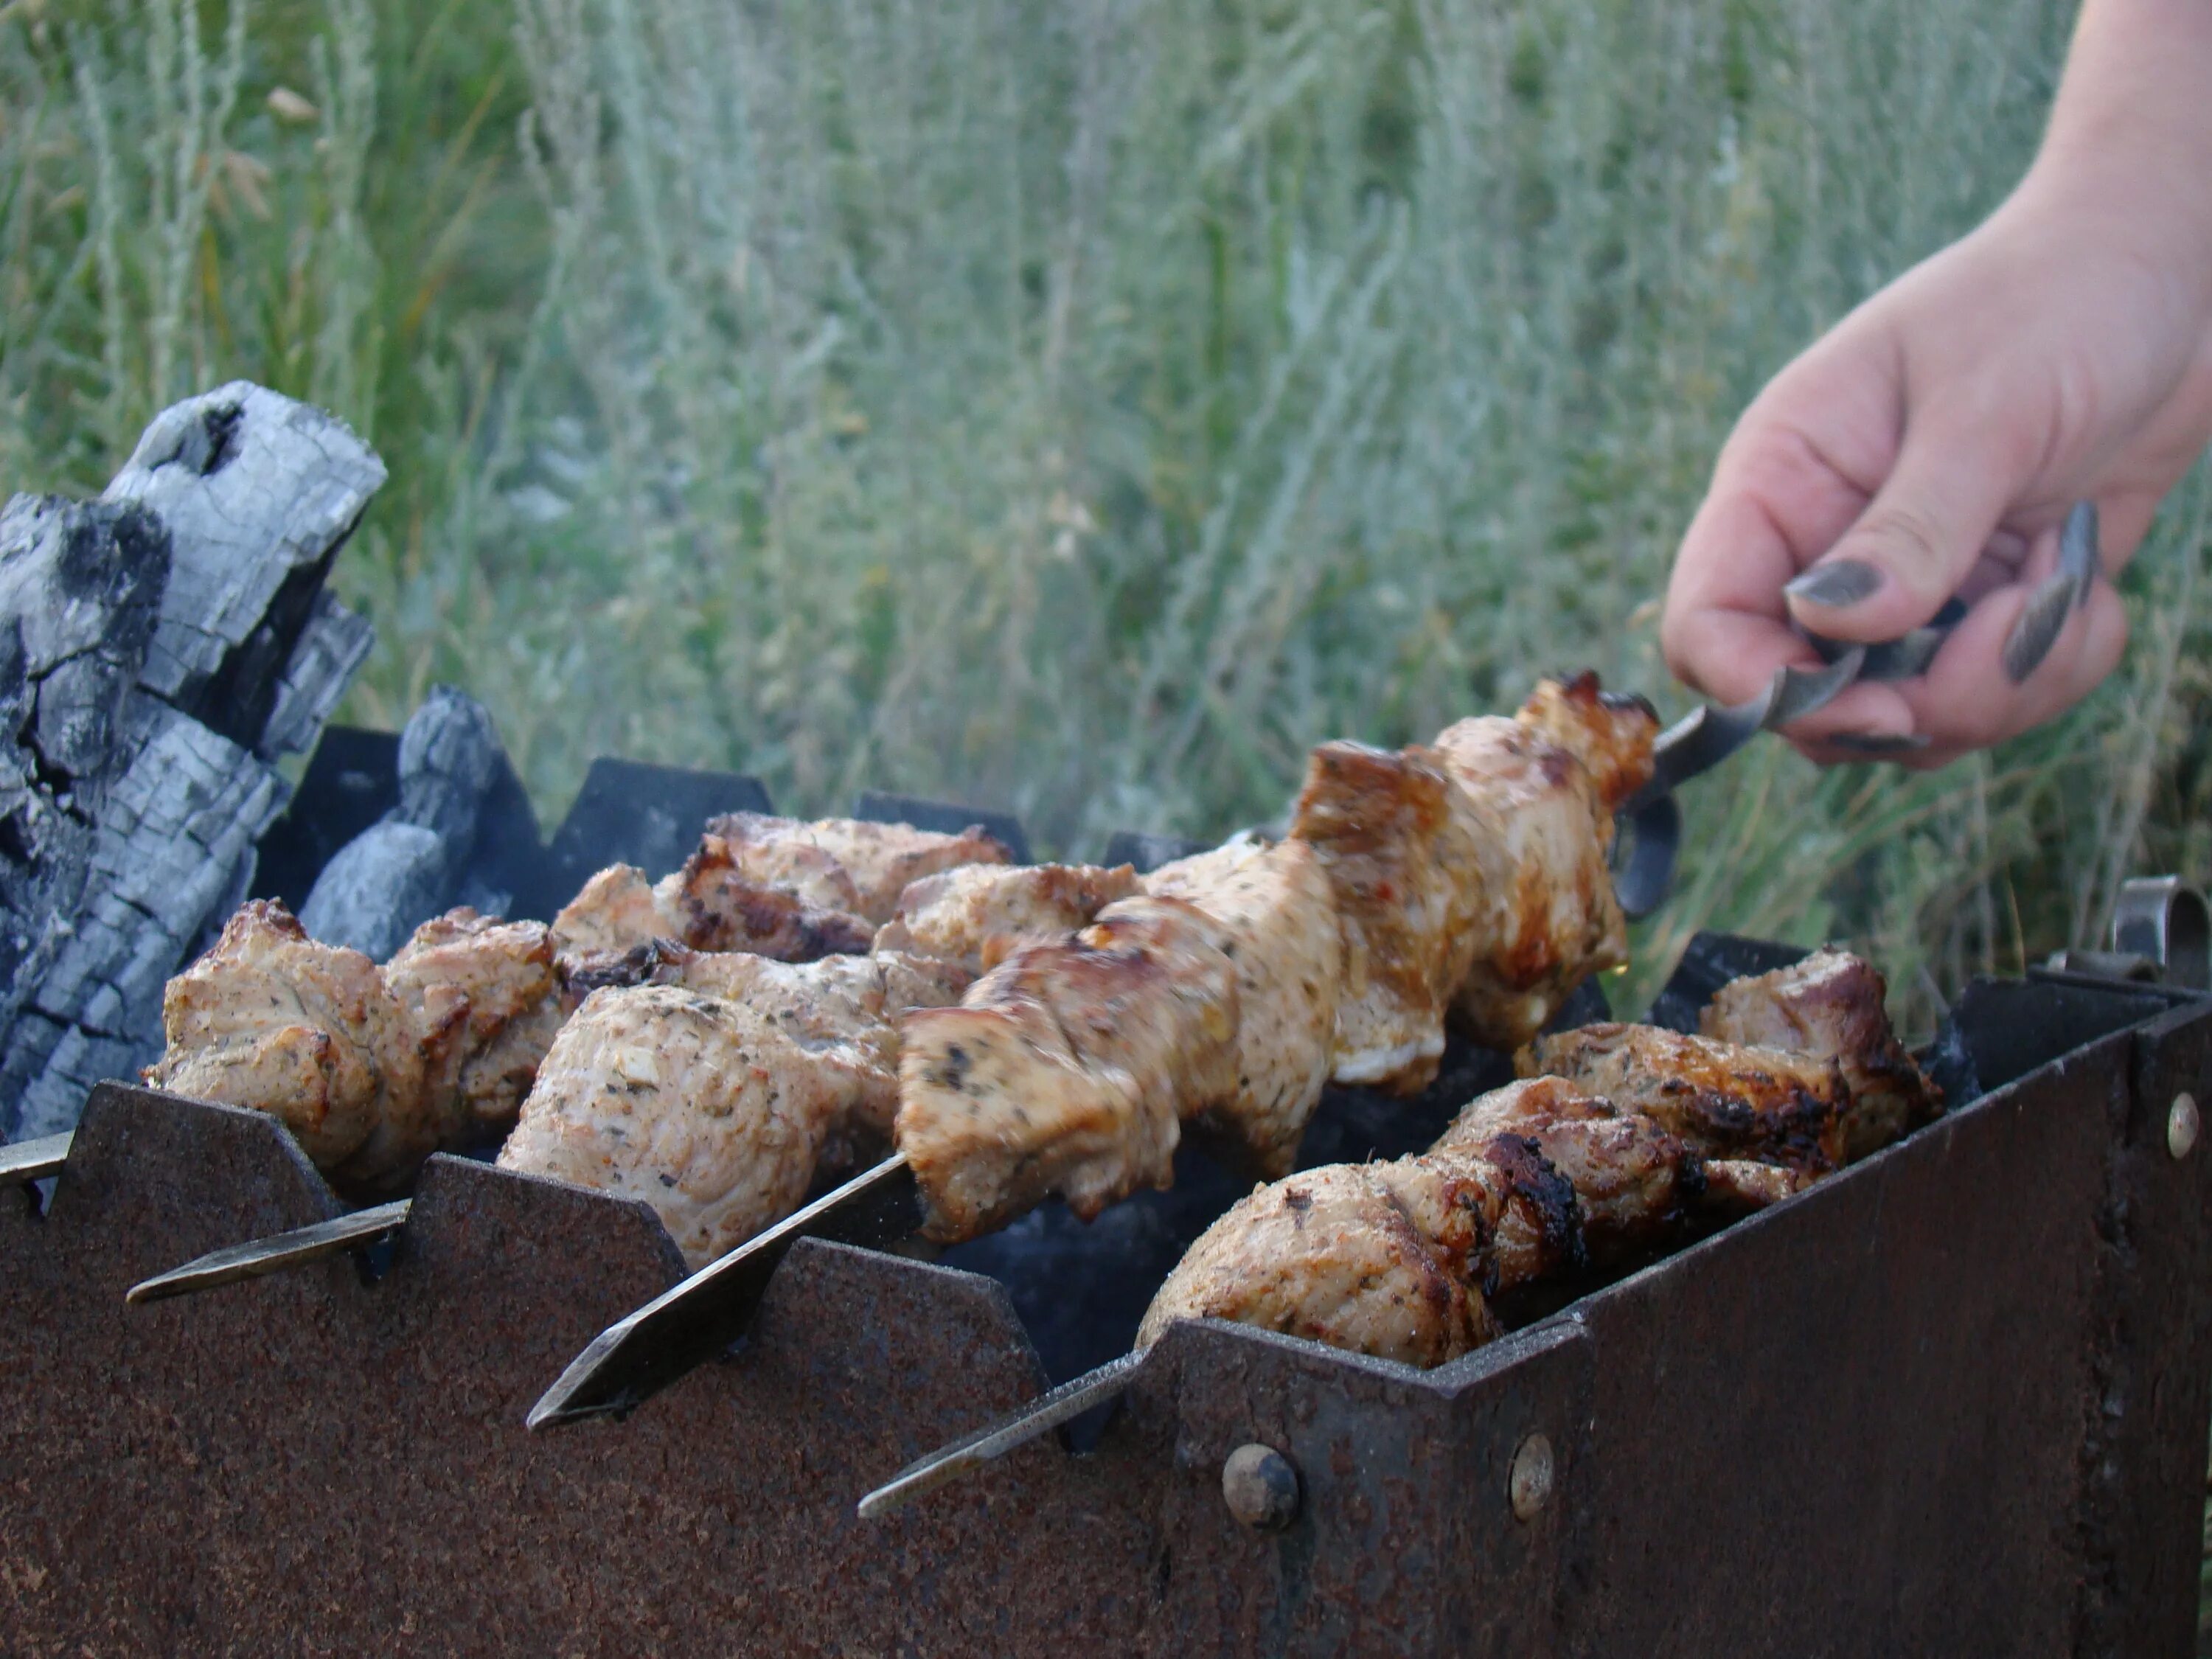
(1260, 1488)
(1530, 1483)
(2183, 1124)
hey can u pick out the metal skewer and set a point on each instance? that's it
(1033, 1421)
(26, 1161)
(259, 1256)
(632, 1361)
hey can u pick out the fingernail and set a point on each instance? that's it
(2039, 626)
(1836, 583)
(2078, 552)
(1875, 745)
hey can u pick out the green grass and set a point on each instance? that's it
(1080, 407)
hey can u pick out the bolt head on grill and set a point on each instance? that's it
(1260, 1487)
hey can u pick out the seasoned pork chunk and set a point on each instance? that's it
(1067, 1068)
(1277, 906)
(309, 1032)
(371, 1069)
(848, 864)
(704, 1109)
(976, 914)
(717, 1086)
(486, 997)
(1538, 793)
(1830, 1005)
(1331, 1256)
(1723, 1099)
(710, 904)
(1402, 863)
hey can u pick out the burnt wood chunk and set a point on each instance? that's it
(416, 862)
(159, 648)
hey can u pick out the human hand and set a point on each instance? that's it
(1931, 445)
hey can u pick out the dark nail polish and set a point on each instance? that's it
(1836, 583)
(2038, 627)
(1875, 744)
(2078, 553)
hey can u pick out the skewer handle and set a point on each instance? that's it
(274, 1253)
(1041, 1416)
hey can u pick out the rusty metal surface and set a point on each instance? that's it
(1955, 1400)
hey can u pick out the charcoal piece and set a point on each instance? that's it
(259, 494)
(946, 817)
(381, 886)
(146, 640)
(352, 779)
(412, 864)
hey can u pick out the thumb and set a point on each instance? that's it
(1917, 540)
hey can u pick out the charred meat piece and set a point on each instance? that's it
(1402, 863)
(1636, 1188)
(1276, 904)
(976, 914)
(848, 864)
(1334, 1255)
(709, 904)
(309, 1032)
(701, 1107)
(1068, 1068)
(1723, 1099)
(1830, 1005)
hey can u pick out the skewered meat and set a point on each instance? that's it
(718, 1089)
(1277, 905)
(1068, 1068)
(1538, 793)
(269, 1018)
(709, 904)
(1331, 1256)
(1635, 1186)
(848, 864)
(1830, 1006)
(1401, 860)
(372, 1070)
(973, 916)
(1725, 1099)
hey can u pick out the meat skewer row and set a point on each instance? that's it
(1541, 1182)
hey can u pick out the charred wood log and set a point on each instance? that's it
(159, 649)
(413, 864)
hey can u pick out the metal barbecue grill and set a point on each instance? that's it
(1954, 1399)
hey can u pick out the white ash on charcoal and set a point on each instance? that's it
(159, 648)
(417, 860)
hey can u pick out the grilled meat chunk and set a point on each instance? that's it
(1068, 1067)
(1830, 1005)
(1725, 1100)
(486, 997)
(848, 864)
(1277, 905)
(1611, 733)
(1636, 1187)
(309, 1032)
(1334, 1255)
(975, 914)
(1402, 862)
(371, 1069)
(704, 1109)
(1538, 793)
(710, 904)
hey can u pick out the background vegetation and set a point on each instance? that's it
(1076, 405)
